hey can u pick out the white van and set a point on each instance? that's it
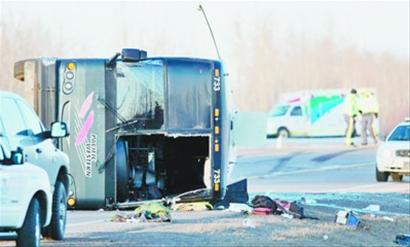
(315, 113)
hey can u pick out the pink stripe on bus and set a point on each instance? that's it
(82, 135)
(86, 105)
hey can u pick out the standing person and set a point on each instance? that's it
(374, 110)
(350, 114)
(369, 109)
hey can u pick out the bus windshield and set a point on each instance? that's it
(140, 90)
(178, 100)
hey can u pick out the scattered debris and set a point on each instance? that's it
(248, 223)
(263, 202)
(285, 215)
(239, 208)
(372, 208)
(193, 206)
(403, 239)
(100, 210)
(262, 211)
(388, 218)
(152, 212)
(292, 208)
(118, 217)
(325, 237)
(264, 205)
(348, 218)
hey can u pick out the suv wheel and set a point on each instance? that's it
(381, 176)
(29, 233)
(397, 177)
(59, 213)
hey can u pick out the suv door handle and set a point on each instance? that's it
(39, 151)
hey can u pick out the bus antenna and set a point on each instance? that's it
(200, 8)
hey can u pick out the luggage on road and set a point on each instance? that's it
(348, 218)
(263, 204)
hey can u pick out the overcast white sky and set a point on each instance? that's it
(169, 28)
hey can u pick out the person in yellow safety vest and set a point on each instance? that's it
(369, 109)
(350, 114)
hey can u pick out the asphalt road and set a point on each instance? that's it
(312, 165)
(318, 170)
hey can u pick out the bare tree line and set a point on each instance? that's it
(261, 68)
(269, 69)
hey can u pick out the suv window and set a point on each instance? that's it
(13, 122)
(296, 111)
(32, 121)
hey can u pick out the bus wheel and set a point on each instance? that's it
(122, 170)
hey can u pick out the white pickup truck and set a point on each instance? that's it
(25, 198)
(21, 128)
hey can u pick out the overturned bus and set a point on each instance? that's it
(141, 128)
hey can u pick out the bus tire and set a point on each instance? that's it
(122, 170)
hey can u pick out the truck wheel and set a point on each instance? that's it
(59, 213)
(283, 132)
(122, 170)
(381, 176)
(29, 234)
(397, 177)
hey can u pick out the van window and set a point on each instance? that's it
(296, 111)
(280, 110)
(13, 122)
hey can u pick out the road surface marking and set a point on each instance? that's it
(381, 187)
(320, 169)
(359, 210)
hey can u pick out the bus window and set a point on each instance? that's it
(189, 95)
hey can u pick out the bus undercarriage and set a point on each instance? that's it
(155, 166)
